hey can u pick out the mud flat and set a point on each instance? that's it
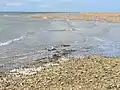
(101, 16)
(84, 73)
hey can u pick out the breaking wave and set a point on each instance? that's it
(99, 39)
(11, 41)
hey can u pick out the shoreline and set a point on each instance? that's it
(94, 16)
(90, 72)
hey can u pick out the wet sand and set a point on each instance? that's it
(99, 16)
(87, 73)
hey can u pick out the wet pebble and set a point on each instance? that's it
(65, 45)
(52, 49)
(66, 52)
(56, 56)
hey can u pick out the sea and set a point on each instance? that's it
(24, 39)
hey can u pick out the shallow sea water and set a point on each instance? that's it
(23, 38)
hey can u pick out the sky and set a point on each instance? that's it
(60, 5)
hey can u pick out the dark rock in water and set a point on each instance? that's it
(66, 52)
(45, 48)
(55, 52)
(86, 49)
(1, 66)
(41, 58)
(52, 48)
(90, 47)
(65, 45)
(56, 56)
(71, 50)
(58, 30)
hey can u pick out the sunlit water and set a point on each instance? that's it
(23, 38)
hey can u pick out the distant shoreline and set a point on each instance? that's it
(33, 12)
(98, 16)
(89, 16)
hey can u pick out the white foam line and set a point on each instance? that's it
(99, 39)
(11, 41)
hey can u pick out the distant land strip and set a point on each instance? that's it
(96, 16)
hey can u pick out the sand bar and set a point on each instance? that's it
(102, 16)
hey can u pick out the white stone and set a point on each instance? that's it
(44, 17)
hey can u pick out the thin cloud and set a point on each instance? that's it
(33, 0)
(14, 4)
(66, 0)
(45, 6)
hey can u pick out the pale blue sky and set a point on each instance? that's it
(60, 5)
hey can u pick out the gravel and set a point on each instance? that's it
(89, 73)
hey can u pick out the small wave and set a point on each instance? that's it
(5, 15)
(11, 41)
(11, 15)
(58, 30)
(99, 39)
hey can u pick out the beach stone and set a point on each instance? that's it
(65, 45)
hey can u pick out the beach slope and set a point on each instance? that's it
(89, 73)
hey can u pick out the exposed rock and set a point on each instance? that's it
(52, 48)
(56, 56)
(65, 45)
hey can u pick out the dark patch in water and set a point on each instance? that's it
(57, 30)
(65, 45)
